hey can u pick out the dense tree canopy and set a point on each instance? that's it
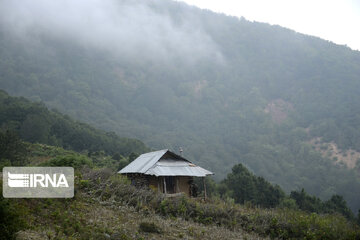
(12, 150)
(35, 123)
(336, 204)
(246, 187)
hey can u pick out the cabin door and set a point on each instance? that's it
(170, 184)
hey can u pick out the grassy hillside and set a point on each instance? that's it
(106, 206)
(225, 89)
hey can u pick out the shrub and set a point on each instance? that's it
(284, 223)
(73, 160)
(10, 217)
(149, 227)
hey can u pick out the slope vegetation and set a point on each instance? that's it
(174, 75)
(106, 206)
(33, 122)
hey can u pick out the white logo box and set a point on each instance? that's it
(38, 182)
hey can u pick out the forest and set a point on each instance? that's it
(226, 90)
(34, 123)
(18, 149)
(241, 202)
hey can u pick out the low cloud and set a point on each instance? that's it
(130, 28)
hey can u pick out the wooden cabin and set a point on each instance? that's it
(166, 172)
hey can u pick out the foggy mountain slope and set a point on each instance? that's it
(174, 75)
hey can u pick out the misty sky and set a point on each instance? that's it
(334, 20)
(130, 28)
(135, 30)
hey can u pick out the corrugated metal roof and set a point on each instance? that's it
(152, 164)
(143, 162)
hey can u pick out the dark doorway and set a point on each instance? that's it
(170, 184)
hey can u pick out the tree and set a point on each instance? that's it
(246, 187)
(306, 202)
(337, 204)
(11, 220)
(12, 149)
(35, 128)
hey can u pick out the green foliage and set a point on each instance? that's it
(36, 124)
(307, 202)
(336, 204)
(12, 150)
(74, 160)
(65, 218)
(122, 163)
(11, 217)
(246, 187)
(288, 203)
(149, 227)
(276, 223)
(211, 186)
(37, 153)
(105, 197)
(101, 159)
(84, 183)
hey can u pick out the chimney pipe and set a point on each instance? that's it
(181, 151)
